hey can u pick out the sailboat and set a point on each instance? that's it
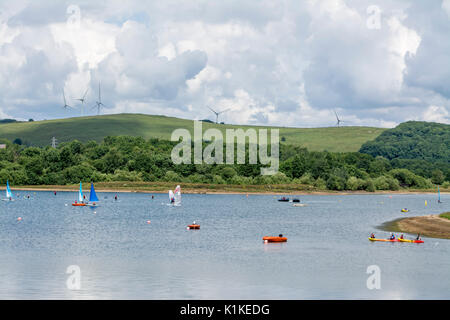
(9, 195)
(171, 197)
(177, 196)
(92, 196)
(80, 202)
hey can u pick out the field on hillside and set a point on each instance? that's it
(40, 133)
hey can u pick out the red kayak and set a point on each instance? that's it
(411, 241)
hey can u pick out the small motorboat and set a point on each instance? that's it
(284, 199)
(295, 200)
(76, 204)
(280, 238)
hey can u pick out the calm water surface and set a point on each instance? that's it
(122, 257)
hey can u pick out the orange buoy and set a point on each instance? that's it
(193, 227)
(19, 219)
(274, 239)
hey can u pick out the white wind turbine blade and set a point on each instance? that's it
(212, 110)
(84, 96)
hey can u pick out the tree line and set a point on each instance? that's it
(126, 158)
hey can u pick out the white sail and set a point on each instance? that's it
(171, 197)
(177, 196)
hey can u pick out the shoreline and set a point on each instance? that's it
(432, 226)
(189, 188)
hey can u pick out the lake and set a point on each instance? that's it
(121, 256)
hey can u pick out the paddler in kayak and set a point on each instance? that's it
(392, 237)
(418, 237)
(401, 236)
(372, 235)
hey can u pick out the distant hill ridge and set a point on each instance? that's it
(412, 140)
(40, 133)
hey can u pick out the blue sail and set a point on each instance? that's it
(8, 190)
(92, 195)
(80, 194)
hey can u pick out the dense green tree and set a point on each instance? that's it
(437, 176)
(412, 140)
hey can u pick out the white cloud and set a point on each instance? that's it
(436, 114)
(282, 63)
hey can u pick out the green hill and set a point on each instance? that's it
(40, 133)
(412, 140)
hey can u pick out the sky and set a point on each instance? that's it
(283, 63)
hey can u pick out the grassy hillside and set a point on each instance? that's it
(39, 133)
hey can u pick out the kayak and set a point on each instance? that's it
(410, 241)
(385, 240)
(78, 204)
(404, 210)
(274, 239)
(193, 227)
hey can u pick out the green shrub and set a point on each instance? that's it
(171, 176)
(354, 184)
(125, 175)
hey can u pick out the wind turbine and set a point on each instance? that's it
(65, 103)
(337, 118)
(99, 104)
(83, 100)
(217, 113)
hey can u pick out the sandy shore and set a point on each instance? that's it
(432, 226)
